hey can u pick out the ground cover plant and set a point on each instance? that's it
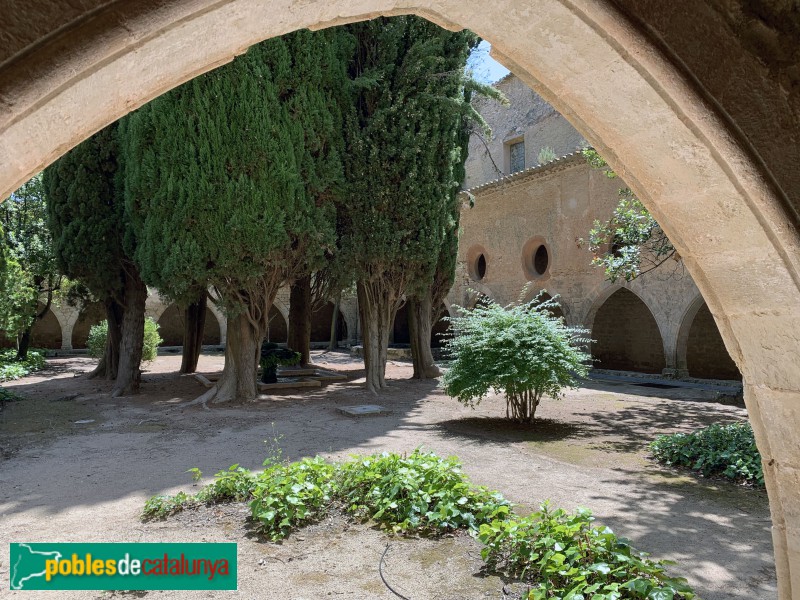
(520, 350)
(11, 368)
(561, 555)
(557, 554)
(726, 450)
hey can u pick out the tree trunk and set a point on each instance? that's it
(109, 363)
(299, 336)
(420, 315)
(24, 343)
(376, 311)
(132, 337)
(242, 351)
(194, 322)
(334, 343)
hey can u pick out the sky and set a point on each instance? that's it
(483, 66)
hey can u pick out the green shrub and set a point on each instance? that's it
(562, 556)
(520, 350)
(420, 492)
(96, 343)
(11, 368)
(234, 485)
(289, 496)
(728, 450)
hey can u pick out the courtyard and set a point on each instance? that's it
(78, 465)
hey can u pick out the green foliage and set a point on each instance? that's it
(286, 497)
(229, 176)
(8, 396)
(564, 556)
(728, 450)
(631, 242)
(86, 214)
(546, 154)
(11, 368)
(27, 260)
(520, 350)
(558, 554)
(96, 342)
(417, 493)
(404, 154)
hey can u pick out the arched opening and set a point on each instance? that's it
(91, 314)
(278, 327)
(46, 332)
(171, 324)
(321, 324)
(709, 167)
(441, 328)
(627, 336)
(400, 333)
(706, 355)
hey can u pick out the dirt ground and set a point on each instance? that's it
(62, 481)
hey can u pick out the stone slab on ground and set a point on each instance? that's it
(290, 384)
(363, 410)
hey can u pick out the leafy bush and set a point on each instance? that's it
(11, 368)
(520, 350)
(96, 343)
(289, 496)
(728, 450)
(421, 492)
(563, 556)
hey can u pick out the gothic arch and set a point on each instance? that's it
(684, 135)
(689, 357)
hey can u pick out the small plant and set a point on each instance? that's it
(96, 342)
(546, 154)
(420, 492)
(289, 496)
(162, 506)
(728, 450)
(234, 485)
(561, 555)
(11, 368)
(520, 350)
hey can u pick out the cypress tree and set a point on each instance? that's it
(92, 241)
(402, 164)
(231, 178)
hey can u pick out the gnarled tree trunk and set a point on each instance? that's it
(129, 374)
(420, 317)
(246, 331)
(242, 351)
(194, 322)
(377, 307)
(109, 363)
(299, 336)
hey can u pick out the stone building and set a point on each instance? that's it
(525, 226)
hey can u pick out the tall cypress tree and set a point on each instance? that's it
(231, 178)
(402, 164)
(92, 242)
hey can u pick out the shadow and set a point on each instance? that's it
(496, 429)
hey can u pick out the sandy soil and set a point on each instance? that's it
(63, 481)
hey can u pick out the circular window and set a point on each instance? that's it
(536, 258)
(480, 267)
(477, 262)
(541, 260)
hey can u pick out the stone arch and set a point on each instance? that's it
(91, 314)
(627, 337)
(48, 331)
(684, 135)
(700, 348)
(171, 323)
(278, 331)
(400, 332)
(321, 324)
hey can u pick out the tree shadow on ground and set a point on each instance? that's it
(497, 429)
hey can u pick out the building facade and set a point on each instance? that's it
(522, 229)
